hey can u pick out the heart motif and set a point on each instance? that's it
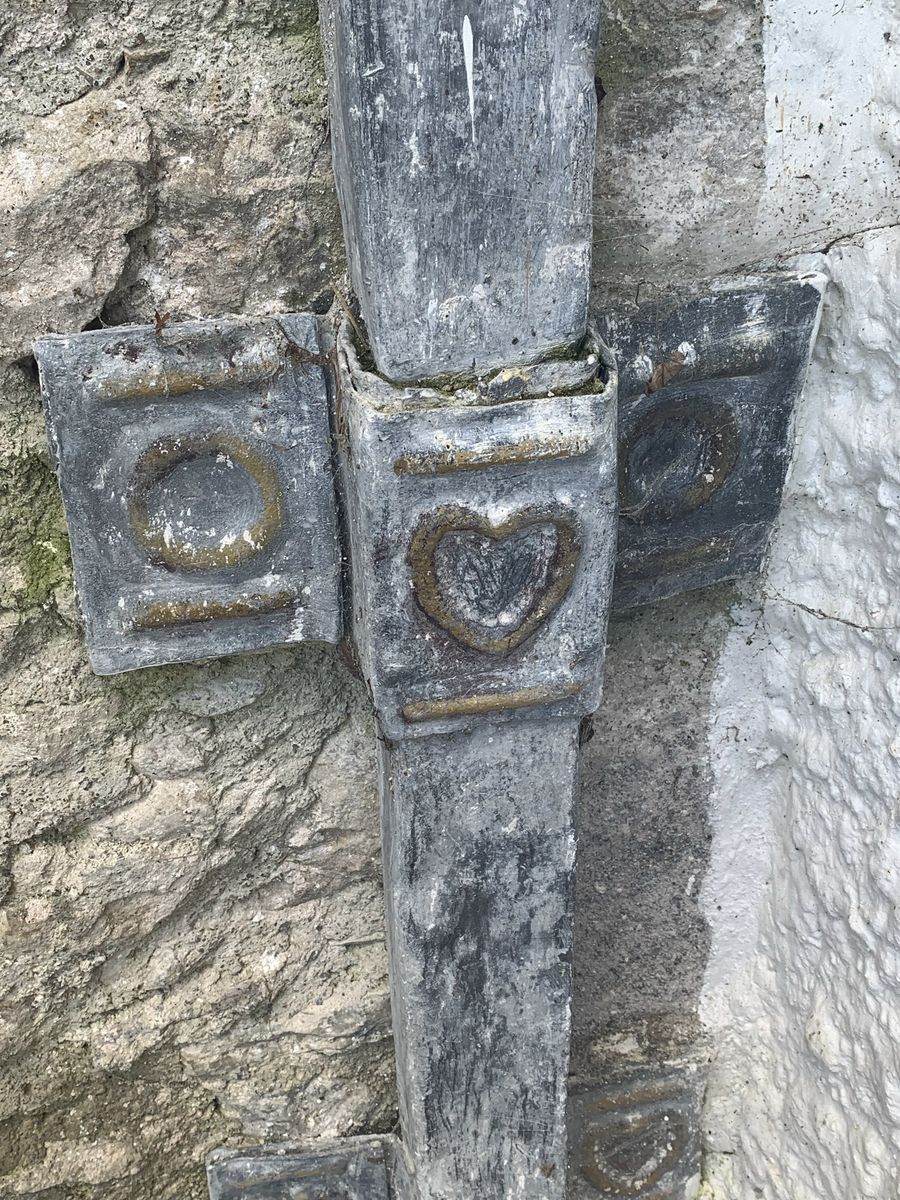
(492, 585)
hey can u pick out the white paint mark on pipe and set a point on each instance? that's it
(468, 41)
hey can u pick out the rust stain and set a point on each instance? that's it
(473, 706)
(665, 372)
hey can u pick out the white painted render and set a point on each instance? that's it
(832, 121)
(802, 994)
(802, 989)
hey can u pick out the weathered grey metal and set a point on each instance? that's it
(463, 142)
(723, 413)
(346, 1170)
(355, 1168)
(482, 548)
(479, 853)
(709, 378)
(196, 470)
(702, 458)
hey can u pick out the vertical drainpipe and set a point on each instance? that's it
(479, 432)
(463, 135)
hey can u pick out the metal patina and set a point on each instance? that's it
(530, 450)
(165, 545)
(637, 1137)
(478, 582)
(161, 616)
(464, 144)
(478, 605)
(704, 448)
(479, 706)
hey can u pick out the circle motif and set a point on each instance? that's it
(183, 471)
(630, 1154)
(675, 459)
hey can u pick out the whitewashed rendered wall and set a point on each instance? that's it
(802, 990)
(803, 986)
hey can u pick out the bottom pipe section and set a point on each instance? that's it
(479, 853)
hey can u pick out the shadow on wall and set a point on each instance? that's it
(641, 939)
(639, 1056)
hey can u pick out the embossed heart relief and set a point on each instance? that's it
(492, 585)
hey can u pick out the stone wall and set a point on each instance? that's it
(190, 923)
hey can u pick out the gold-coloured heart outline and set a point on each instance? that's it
(455, 519)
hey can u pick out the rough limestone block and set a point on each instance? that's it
(72, 186)
(482, 539)
(709, 379)
(464, 145)
(195, 465)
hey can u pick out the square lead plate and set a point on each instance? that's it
(196, 473)
(351, 1169)
(708, 379)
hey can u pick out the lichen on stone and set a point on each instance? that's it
(34, 544)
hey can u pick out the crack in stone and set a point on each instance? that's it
(824, 616)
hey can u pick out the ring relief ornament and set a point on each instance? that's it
(209, 457)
